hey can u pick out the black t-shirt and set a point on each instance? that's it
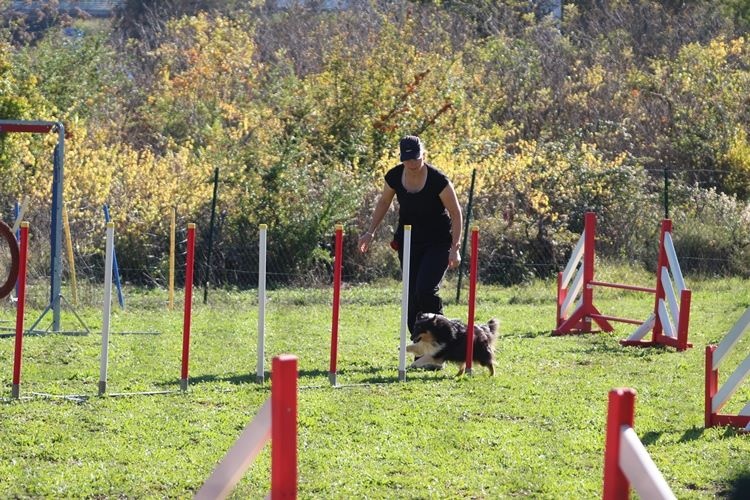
(423, 210)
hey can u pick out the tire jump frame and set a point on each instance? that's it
(670, 319)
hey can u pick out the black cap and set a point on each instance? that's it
(410, 147)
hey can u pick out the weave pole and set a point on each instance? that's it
(262, 238)
(107, 308)
(406, 260)
(20, 306)
(472, 298)
(338, 254)
(188, 305)
(284, 427)
(71, 258)
(172, 238)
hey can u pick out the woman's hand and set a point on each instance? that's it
(454, 259)
(364, 241)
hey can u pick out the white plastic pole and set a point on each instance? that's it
(406, 258)
(239, 457)
(107, 309)
(21, 213)
(260, 373)
(640, 469)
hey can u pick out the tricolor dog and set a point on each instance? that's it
(437, 339)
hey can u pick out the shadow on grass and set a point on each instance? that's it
(739, 488)
(136, 333)
(608, 346)
(650, 437)
(526, 335)
(692, 434)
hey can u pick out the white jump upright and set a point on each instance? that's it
(275, 421)
(405, 259)
(626, 461)
(716, 398)
(575, 295)
(262, 238)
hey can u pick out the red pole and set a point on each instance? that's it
(284, 427)
(589, 250)
(620, 412)
(20, 306)
(472, 297)
(684, 320)
(712, 386)
(336, 302)
(666, 227)
(562, 293)
(188, 305)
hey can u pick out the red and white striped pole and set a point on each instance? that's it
(284, 427)
(620, 412)
(472, 297)
(336, 302)
(188, 305)
(20, 306)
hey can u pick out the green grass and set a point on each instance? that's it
(536, 429)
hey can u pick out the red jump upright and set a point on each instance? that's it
(576, 284)
(716, 398)
(626, 461)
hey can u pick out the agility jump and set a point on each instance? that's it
(670, 318)
(716, 398)
(275, 421)
(626, 461)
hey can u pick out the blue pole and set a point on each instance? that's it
(115, 269)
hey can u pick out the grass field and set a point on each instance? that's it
(535, 430)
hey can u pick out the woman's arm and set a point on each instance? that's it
(450, 201)
(381, 208)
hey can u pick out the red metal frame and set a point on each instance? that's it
(338, 257)
(188, 305)
(621, 411)
(472, 297)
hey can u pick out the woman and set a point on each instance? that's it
(427, 202)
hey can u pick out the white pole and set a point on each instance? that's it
(106, 310)
(261, 301)
(406, 258)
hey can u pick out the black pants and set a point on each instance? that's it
(426, 270)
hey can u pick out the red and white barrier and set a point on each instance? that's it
(575, 285)
(275, 421)
(716, 398)
(626, 461)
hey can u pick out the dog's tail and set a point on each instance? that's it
(493, 325)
